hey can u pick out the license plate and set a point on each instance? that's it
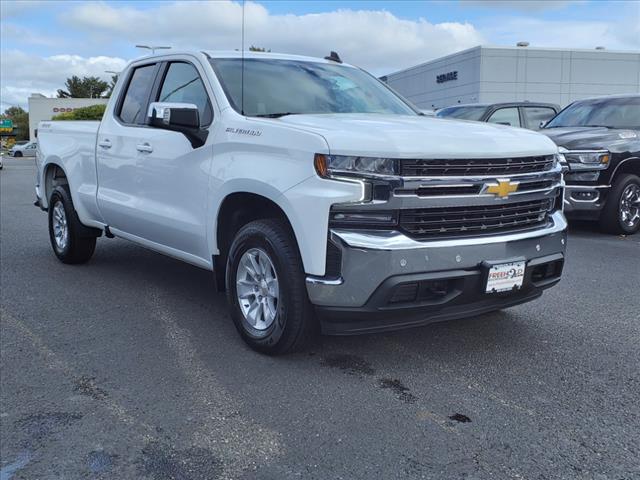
(504, 277)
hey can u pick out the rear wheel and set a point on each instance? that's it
(621, 213)
(65, 230)
(266, 288)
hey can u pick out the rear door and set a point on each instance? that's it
(120, 196)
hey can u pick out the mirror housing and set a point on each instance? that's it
(177, 117)
(541, 125)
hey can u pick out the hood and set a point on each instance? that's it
(593, 138)
(404, 136)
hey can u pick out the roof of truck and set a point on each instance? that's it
(247, 54)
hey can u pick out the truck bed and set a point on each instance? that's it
(73, 145)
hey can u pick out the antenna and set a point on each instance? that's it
(242, 67)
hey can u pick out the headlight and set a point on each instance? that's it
(337, 165)
(587, 159)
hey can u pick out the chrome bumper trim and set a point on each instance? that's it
(394, 240)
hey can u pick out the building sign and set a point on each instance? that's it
(447, 77)
(6, 125)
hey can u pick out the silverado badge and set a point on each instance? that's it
(502, 189)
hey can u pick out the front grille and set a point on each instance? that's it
(470, 167)
(455, 222)
(456, 190)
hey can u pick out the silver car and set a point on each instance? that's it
(25, 150)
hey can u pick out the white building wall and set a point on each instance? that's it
(505, 74)
(420, 86)
(556, 76)
(44, 108)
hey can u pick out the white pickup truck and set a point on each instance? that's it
(319, 198)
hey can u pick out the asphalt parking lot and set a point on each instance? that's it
(129, 367)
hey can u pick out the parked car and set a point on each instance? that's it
(320, 199)
(24, 150)
(600, 141)
(515, 114)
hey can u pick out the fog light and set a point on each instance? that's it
(585, 195)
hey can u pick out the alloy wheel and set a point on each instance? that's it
(257, 289)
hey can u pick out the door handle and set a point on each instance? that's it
(106, 143)
(144, 147)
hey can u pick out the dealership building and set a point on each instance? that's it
(44, 108)
(506, 74)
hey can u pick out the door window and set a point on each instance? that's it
(182, 84)
(506, 116)
(134, 103)
(535, 115)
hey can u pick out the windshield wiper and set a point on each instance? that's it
(598, 126)
(275, 115)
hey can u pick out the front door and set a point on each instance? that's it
(152, 183)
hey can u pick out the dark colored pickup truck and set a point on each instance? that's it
(600, 141)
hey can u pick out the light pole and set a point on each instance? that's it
(153, 48)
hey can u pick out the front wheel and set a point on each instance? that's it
(65, 229)
(17, 154)
(266, 288)
(621, 213)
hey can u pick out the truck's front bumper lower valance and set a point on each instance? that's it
(585, 201)
(388, 280)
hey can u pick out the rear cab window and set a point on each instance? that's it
(132, 110)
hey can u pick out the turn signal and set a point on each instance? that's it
(320, 162)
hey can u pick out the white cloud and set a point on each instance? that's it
(22, 74)
(376, 40)
(566, 33)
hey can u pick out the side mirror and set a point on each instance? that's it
(541, 125)
(177, 117)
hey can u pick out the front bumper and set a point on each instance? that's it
(376, 264)
(585, 201)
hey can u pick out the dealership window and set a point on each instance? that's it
(135, 99)
(535, 115)
(182, 84)
(506, 116)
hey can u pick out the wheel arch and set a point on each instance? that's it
(236, 210)
(52, 176)
(628, 165)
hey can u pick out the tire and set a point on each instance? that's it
(284, 319)
(621, 212)
(65, 230)
(17, 155)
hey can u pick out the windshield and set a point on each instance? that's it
(601, 112)
(277, 87)
(462, 113)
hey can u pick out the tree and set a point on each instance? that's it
(20, 120)
(112, 85)
(92, 112)
(86, 87)
(258, 49)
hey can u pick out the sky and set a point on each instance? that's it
(44, 42)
